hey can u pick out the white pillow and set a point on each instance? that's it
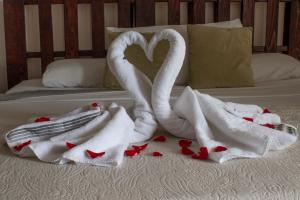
(75, 73)
(274, 66)
(182, 29)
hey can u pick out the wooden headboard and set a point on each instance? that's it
(130, 13)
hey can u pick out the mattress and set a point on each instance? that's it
(172, 176)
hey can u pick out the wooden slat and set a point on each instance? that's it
(197, 12)
(248, 12)
(46, 34)
(98, 28)
(173, 12)
(223, 10)
(14, 21)
(286, 25)
(71, 29)
(294, 40)
(272, 22)
(124, 13)
(145, 13)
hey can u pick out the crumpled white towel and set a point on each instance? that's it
(212, 122)
(94, 135)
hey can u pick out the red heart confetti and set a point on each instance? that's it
(186, 151)
(156, 154)
(21, 146)
(220, 148)
(248, 119)
(95, 105)
(266, 110)
(160, 139)
(70, 145)
(42, 119)
(140, 148)
(131, 152)
(185, 143)
(269, 126)
(94, 155)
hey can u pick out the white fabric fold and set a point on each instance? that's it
(210, 121)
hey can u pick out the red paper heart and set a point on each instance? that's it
(42, 119)
(160, 139)
(269, 126)
(220, 148)
(94, 155)
(185, 143)
(70, 145)
(94, 104)
(186, 151)
(156, 153)
(21, 146)
(248, 119)
(131, 152)
(266, 110)
(140, 148)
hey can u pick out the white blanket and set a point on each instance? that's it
(223, 130)
(93, 134)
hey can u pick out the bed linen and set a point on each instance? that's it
(172, 176)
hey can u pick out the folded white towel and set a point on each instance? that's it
(92, 134)
(212, 122)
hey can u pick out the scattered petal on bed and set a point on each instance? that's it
(202, 155)
(186, 151)
(160, 139)
(156, 153)
(185, 143)
(93, 155)
(248, 119)
(70, 145)
(131, 152)
(42, 119)
(21, 146)
(220, 148)
(94, 104)
(266, 110)
(269, 126)
(140, 148)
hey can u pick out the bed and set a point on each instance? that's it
(173, 176)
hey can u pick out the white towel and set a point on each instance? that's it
(212, 122)
(92, 134)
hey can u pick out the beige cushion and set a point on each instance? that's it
(135, 55)
(220, 57)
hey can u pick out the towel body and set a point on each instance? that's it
(211, 122)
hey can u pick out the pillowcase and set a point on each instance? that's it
(135, 55)
(274, 66)
(220, 57)
(75, 73)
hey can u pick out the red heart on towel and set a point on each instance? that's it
(248, 119)
(93, 155)
(269, 126)
(70, 145)
(186, 151)
(140, 148)
(131, 152)
(42, 119)
(203, 154)
(160, 139)
(220, 148)
(21, 146)
(266, 110)
(185, 143)
(156, 154)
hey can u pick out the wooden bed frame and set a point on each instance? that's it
(131, 13)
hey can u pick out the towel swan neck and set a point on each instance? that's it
(135, 82)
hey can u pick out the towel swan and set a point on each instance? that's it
(212, 122)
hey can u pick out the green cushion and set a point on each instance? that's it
(220, 57)
(135, 55)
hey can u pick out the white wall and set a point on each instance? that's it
(111, 15)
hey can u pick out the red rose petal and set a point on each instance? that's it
(200, 156)
(187, 151)
(156, 153)
(94, 104)
(42, 119)
(94, 155)
(131, 152)
(160, 139)
(21, 146)
(248, 119)
(269, 126)
(185, 143)
(140, 148)
(266, 110)
(220, 148)
(70, 145)
(204, 149)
